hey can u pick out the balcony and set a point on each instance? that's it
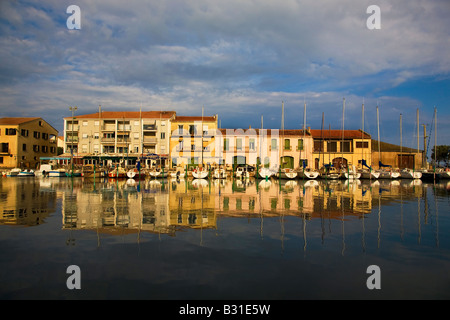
(70, 139)
(150, 127)
(108, 140)
(150, 140)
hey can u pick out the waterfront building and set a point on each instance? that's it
(24, 140)
(192, 141)
(396, 156)
(271, 148)
(342, 148)
(112, 137)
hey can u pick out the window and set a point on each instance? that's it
(331, 146)
(136, 123)
(24, 133)
(44, 149)
(35, 148)
(163, 135)
(362, 144)
(52, 149)
(96, 135)
(192, 130)
(226, 144)
(180, 129)
(4, 147)
(251, 144)
(10, 131)
(287, 144)
(345, 146)
(40, 123)
(36, 134)
(96, 123)
(239, 144)
(273, 144)
(45, 136)
(1, 160)
(318, 146)
(300, 144)
(24, 147)
(85, 135)
(85, 123)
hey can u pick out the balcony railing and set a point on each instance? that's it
(150, 127)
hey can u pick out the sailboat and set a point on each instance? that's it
(219, 173)
(366, 171)
(429, 175)
(408, 173)
(117, 173)
(385, 171)
(200, 173)
(306, 172)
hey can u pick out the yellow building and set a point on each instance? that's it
(24, 140)
(192, 141)
(341, 148)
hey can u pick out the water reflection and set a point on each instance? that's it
(168, 206)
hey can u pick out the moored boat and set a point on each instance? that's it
(307, 173)
(219, 173)
(117, 173)
(26, 173)
(410, 174)
(244, 171)
(200, 173)
(13, 172)
(265, 173)
(286, 173)
(91, 171)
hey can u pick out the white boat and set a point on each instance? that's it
(350, 173)
(264, 173)
(286, 173)
(26, 173)
(135, 174)
(57, 172)
(178, 173)
(389, 174)
(369, 174)
(158, 173)
(200, 173)
(244, 172)
(220, 173)
(13, 172)
(329, 173)
(308, 173)
(410, 174)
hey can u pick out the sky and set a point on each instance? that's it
(240, 59)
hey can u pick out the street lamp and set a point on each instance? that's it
(73, 109)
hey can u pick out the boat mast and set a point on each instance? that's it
(362, 136)
(379, 143)
(417, 115)
(401, 142)
(304, 130)
(342, 144)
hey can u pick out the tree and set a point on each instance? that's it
(442, 154)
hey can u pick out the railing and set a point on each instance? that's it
(150, 140)
(150, 127)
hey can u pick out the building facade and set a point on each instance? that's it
(111, 137)
(192, 141)
(271, 148)
(342, 148)
(24, 140)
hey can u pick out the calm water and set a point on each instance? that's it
(223, 239)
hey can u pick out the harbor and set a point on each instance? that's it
(187, 238)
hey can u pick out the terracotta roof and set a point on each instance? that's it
(337, 134)
(15, 121)
(126, 115)
(196, 118)
(279, 132)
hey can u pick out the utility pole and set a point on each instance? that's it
(73, 109)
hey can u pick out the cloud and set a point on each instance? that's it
(239, 59)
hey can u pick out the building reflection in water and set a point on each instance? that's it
(168, 206)
(25, 201)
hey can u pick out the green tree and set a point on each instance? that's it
(442, 154)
